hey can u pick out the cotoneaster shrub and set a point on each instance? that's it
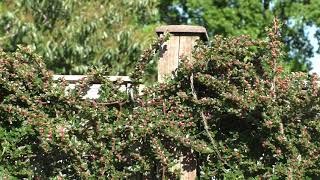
(232, 105)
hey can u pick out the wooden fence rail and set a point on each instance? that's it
(93, 92)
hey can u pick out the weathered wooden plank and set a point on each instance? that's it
(185, 30)
(187, 160)
(180, 45)
(186, 46)
(169, 58)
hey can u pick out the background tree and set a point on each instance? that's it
(235, 17)
(72, 35)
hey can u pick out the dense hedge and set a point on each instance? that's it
(233, 106)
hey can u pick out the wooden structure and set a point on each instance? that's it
(180, 45)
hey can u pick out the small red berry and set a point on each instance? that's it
(181, 123)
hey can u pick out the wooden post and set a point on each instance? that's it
(179, 45)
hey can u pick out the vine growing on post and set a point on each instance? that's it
(233, 105)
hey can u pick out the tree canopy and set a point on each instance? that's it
(72, 35)
(236, 17)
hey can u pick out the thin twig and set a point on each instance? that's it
(120, 103)
(204, 121)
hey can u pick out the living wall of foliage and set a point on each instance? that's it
(232, 106)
